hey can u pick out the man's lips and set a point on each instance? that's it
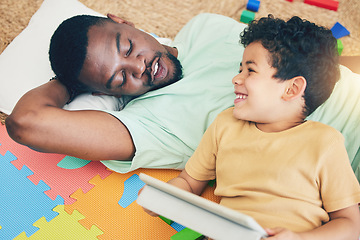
(159, 70)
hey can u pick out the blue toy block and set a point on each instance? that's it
(247, 16)
(22, 202)
(339, 31)
(253, 5)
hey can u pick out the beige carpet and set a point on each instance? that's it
(166, 18)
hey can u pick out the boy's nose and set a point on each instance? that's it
(238, 79)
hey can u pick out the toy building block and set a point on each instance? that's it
(168, 221)
(339, 31)
(187, 234)
(289, 0)
(253, 5)
(340, 46)
(247, 16)
(328, 4)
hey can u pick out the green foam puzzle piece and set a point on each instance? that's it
(69, 162)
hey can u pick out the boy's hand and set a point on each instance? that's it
(281, 233)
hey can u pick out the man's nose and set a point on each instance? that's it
(135, 65)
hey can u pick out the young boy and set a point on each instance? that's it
(291, 175)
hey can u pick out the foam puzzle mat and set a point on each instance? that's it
(54, 196)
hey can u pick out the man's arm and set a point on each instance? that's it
(39, 122)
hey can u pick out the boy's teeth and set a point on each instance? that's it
(241, 96)
(156, 68)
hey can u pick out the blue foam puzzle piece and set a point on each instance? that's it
(22, 202)
(178, 227)
(132, 186)
(339, 31)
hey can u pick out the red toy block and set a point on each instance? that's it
(289, 0)
(328, 4)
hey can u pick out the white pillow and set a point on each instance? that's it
(24, 64)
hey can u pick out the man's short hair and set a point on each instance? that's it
(68, 49)
(299, 48)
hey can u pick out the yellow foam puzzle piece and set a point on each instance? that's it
(63, 226)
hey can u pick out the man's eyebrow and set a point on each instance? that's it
(108, 83)
(118, 42)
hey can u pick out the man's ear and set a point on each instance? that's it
(119, 20)
(295, 88)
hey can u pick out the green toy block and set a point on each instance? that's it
(211, 183)
(187, 234)
(247, 16)
(340, 46)
(168, 221)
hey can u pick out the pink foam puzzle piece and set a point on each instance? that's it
(63, 182)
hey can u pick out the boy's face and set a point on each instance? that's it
(258, 93)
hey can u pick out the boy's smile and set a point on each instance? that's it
(258, 94)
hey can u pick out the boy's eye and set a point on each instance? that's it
(130, 48)
(251, 70)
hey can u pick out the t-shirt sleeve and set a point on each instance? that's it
(202, 164)
(338, 185)
(342, 112)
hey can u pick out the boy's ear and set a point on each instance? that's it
(119, 19)
(295, 88)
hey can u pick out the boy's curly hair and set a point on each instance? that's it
(298, 47)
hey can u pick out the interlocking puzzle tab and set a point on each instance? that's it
(100, 208)
(22, 202)
(328, 4)
(50, 169)
(63, 226)
(132, 186)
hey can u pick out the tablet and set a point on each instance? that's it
(194, 202)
